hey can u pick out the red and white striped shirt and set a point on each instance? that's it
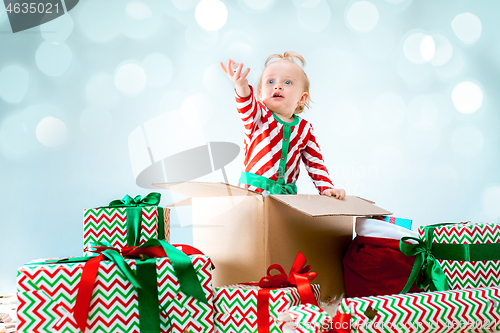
(263, 143)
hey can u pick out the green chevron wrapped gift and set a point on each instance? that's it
(468, 253)
(127, 222)
(236, 310)
(94, 294)
(464, 310)
(254, 307)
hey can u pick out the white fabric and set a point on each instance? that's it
(375, 228)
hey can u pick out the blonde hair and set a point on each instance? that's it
(292, 57)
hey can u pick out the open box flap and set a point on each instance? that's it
(320, 205)
(199, 189)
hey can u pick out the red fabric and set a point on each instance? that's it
(375, 266)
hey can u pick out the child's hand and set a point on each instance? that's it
(338, 193)
(239, 79)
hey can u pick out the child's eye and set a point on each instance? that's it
(270, 81)
(288, 82)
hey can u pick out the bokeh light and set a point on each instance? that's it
(467, 27)
(158, 68)
(96, 121)
(490, 200)
(467, 141)
(58, 30)
(51, 132)
(427, 48)
(443, 50)
(313, 16)
(211, 14)
(362, 16)
(388, 111)
(101, 90)
(14, 83)
(53, 58)
(130, 78)
(412, 47)
(138, 10)
(467, 97)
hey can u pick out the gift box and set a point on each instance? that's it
(254, 307)
(465, 310)
(127, 222)
(399, 221)
(126, 297)
(235, 307)
(468, 253)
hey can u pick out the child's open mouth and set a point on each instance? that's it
(277, 95)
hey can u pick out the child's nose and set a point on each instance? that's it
(279, 87)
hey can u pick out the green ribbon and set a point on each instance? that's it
(267, 184)
(427, 253)
(145, 277)
(426, 266)
(134, 215)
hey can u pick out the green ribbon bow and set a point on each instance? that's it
(427, 253)
(134, 215)
(426, 265)
(144, 279)
(152, 199)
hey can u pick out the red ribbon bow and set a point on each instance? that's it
(299, 277)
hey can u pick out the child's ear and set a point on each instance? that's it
(304, 97)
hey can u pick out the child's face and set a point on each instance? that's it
(283, 87)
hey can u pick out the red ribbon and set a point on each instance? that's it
(299, 277)
(91, 267)
(341, 323)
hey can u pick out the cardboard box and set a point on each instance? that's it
(244, 232)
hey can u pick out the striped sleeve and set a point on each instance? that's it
(314, 164)
(249, 109)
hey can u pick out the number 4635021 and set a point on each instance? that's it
(32, 8)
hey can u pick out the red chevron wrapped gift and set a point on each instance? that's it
(468, 253)
(236, 309)
(465, 310)
(127, 222)
(51, 296)
(254, 307)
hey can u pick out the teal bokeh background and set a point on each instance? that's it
(405, 106)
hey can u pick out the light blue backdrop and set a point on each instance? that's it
(405, 105)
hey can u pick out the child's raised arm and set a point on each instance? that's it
(239, 79)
